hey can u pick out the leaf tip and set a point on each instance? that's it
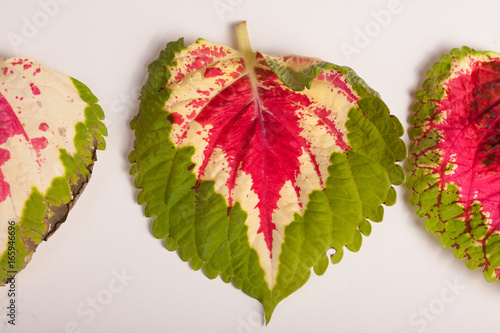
(268, 311)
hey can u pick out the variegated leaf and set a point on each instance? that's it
(254, 166)
(50, 128)
(454, 163)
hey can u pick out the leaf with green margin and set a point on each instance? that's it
(331, 149)
(52, 137)
(454, 157)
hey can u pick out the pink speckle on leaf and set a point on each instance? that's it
(213, 72)
(201, 62)
(203, 92)
(34, 89)
(176, 118)
(39, 143)
(191, 115)
(221, 82)
(43, 127)
(197, 103)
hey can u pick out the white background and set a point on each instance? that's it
(402, 280)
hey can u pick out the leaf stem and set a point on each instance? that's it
(243, 39)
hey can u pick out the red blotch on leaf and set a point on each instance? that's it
(34, 89)
(43, 127)
(39, 143)
(213, 72)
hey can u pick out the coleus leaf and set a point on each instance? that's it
(454, 157)
(254, 166)
(50, 128)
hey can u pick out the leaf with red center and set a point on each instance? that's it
(454, 163)
(50, 129)
(253, 177)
